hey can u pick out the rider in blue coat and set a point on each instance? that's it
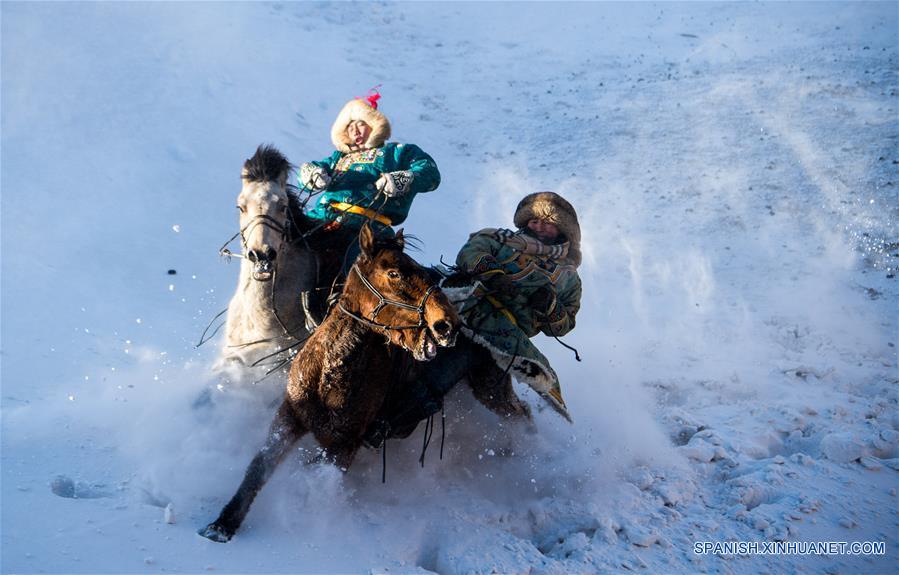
(366, 179)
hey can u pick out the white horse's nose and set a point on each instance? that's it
(266, 253)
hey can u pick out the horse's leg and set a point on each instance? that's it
(343, 455)
(497, 395)
(283, 434)
(492, 386)
(419, 393)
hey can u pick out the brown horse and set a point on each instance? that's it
(339, 380)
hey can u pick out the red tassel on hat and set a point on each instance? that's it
(373, 97)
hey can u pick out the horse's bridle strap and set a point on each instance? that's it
(258, 220)
(384, 302)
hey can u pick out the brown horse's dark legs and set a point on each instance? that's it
(343, 456)
(492, 386)
(497, 395)
(283, 434)
(423, 397)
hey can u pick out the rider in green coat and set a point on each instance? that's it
(510, 286)
(524, 282)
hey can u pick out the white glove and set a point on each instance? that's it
(314, 177)
(395, 184)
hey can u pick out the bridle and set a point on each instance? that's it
(257, 220)
(383, 302)
(287, 233)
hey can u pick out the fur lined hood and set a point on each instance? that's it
(552, 207)
(359, 109)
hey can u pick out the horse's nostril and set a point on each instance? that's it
(271, 254)
(442, 328)
(252, 256)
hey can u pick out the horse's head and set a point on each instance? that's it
(263, 204)
(392, 292)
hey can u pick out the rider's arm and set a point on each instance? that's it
(559, 319)
(478, 255)
(425, 175)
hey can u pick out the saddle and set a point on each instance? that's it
(330, 249)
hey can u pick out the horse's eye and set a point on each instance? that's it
(393, 274)
(242, 209)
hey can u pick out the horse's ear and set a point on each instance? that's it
(367, 240)
(400, 240)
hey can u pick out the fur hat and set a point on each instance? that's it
(553, 208)
(367, 111)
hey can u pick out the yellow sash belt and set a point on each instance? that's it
(359, 210)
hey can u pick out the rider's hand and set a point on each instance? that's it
(395, 184)
(541, 301)
(500, 284)
(314, 177)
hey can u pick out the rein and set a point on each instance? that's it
(384, 302)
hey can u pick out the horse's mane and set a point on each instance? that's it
(410, 241)
(298, 218)
(267, 164)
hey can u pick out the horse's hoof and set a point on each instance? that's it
(203, 400)
(215, 532)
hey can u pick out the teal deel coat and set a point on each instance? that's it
(506, 324)
(353, 177)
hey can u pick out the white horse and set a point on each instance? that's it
(266, 315)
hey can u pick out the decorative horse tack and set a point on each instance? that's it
(383, 302)
(258, 220)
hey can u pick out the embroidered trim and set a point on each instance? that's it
(539, 377)
(347, 161)
(402, 181)
(553, 275)
(484, 264)
(556, 315)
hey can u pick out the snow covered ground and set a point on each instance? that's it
(734, 166)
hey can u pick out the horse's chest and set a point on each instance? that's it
(338, 383)
(352, 385)
(354, 382)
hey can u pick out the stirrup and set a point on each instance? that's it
(377, 433)
(310, 322)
